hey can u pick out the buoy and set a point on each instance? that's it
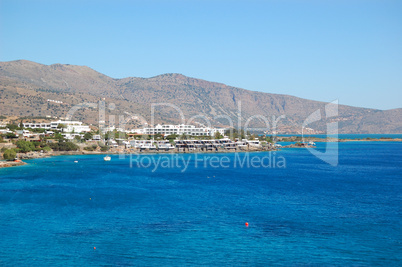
(246, 224)
(94, 247)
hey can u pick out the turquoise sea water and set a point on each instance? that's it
(348, 136)
(153, 210)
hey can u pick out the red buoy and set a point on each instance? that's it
(246, 224)
(94, 247)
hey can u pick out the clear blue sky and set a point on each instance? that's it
(322, 50)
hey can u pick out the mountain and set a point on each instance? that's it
(26, 87)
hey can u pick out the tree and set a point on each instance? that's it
(9, 154)
(88, 136)
(104, 148)
(171, 137)
(64, 146)
(158, 136)
(61, 126)
(269, 139)
(25, 146)
(183, 136)
(59, 137)
(12, 127)
(120, 135)
(46, 149)
(218, 135)
(91, 148)
(235, 133)
(37, 130)
(10, 135)
(143, 137)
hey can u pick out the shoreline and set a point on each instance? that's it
(8, 164)
(36, 155)
(330, 139)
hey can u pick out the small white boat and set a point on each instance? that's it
(75, 161)
(107, 158)
(311, 143)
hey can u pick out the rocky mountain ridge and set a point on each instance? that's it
(26, 87)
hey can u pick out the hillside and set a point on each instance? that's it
(26, 86)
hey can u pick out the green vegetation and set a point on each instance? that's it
(121, 135)
(13, 127)
(9, 154)
(59, 137)
(141, 137)
(183, 136)
(158, 136)
(46, 148)
(236, 133)
(36, 130)
(78, 139)
(61, 127)
(33, 118)
(25, 146)
(11, 136)
(218, 135)
(171, 137)
(104, 148)
(268, 139)
(91, 147)
(115, 135)
(64, 146)
(88, 136)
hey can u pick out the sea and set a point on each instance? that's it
(347, 136)
(288, 207)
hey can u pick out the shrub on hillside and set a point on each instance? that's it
(64, 146)
(25, 146)
(46, 148)
(104, 148)
(9, 154)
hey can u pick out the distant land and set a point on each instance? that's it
(26, 88)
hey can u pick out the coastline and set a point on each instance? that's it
(36, 155)
(7, 164)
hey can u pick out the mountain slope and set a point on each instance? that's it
(25, 87)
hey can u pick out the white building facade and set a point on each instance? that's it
(182, 129)
(37, 125)
(71, 126)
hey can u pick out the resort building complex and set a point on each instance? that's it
(70, 126)
(182, 129)
(163, 129)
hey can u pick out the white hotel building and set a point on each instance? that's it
(71, 126)
(182, 129)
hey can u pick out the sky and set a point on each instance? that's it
(322, 50)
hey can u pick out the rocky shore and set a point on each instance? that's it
(113, 151)
(5, 164)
